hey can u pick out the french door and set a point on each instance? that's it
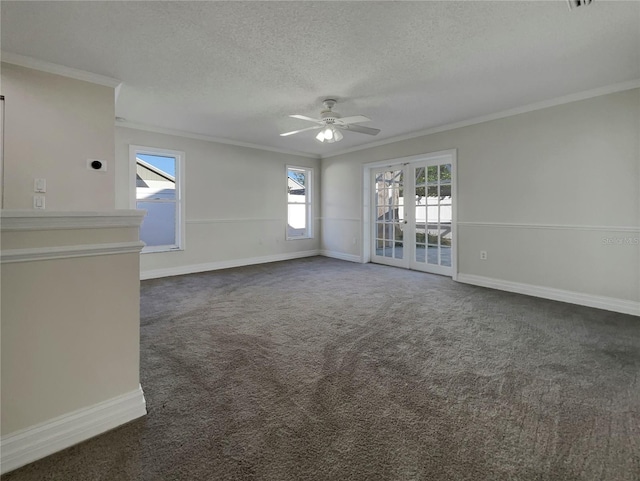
(412, 216)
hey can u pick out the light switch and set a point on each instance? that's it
(38, 202)
(40, 185)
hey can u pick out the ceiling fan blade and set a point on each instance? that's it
(301, 130)
(304, 117)
(356, 119)
(359, 129)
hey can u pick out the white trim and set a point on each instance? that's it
(209, 138)
(41, 65)
(551, 226)
(439, 155)
(341, 256)
(309, 202)
(342, 219)
(584, 95)
(580, 298)
(22, 220)
(36, 442)
(444, 156)
(179, 181)
(9, 256)
(214, 266)
(232, 221)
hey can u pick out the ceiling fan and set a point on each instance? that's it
(330, 124)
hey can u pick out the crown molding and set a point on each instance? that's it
(43, 66)
(209, 138)
(584, 95)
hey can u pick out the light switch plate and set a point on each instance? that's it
(38, 202)
(40, 185)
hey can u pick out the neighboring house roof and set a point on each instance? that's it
(146, 171)
(295, 187)
(294, 184)
(153, 183)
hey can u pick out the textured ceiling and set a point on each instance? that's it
(235, 70)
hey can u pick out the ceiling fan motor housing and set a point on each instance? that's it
(328, 115)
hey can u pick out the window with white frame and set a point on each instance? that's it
(299, 204)
(158, 183)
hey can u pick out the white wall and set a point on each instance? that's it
(79, 343)
(235, 198)
(70, 278)
(53, 124)
(540, 191)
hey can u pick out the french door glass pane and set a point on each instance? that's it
(398, 233)
(446, 214)
(445, 173)
(432, 174)
(390, 213)
(398, 236)
(388, 249)
(432, 254)
(445, 256)
(445, 236)
(432, 213)
(428, 216)
(389, 232)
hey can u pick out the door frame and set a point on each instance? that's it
(447, 156)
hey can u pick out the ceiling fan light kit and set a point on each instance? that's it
(329, 135)
(578, 3)
(330, 123)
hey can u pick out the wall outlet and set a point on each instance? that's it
(483, 255)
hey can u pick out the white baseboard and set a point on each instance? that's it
(36, 442)
(341, 256)
(600, 302)
(213, 266)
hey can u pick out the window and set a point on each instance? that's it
(299, 217)
(158, 184)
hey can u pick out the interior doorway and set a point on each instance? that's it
(411, 213)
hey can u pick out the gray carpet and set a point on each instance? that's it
(318, 369)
